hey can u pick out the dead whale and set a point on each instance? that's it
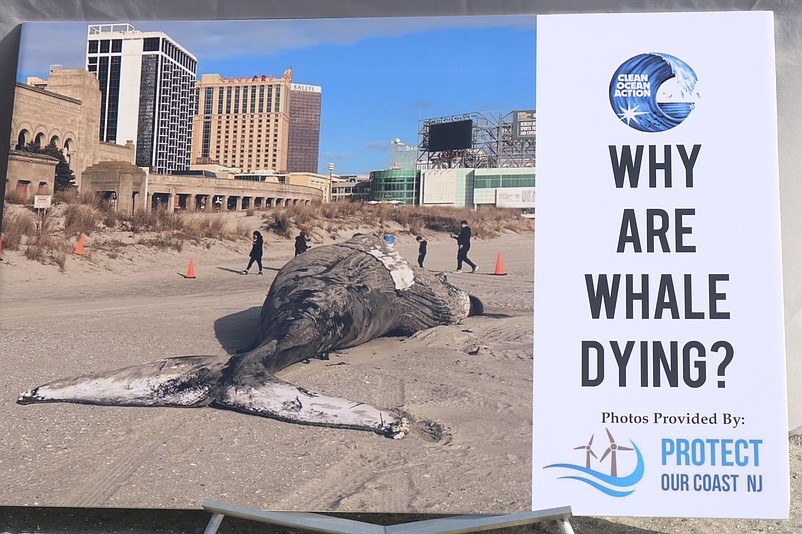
(330, 297)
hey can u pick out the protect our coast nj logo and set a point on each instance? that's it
(653, 92)
(601, 463)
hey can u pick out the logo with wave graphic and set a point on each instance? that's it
(608, 482)
(653, 92)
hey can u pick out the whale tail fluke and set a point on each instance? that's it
(286, 402)
(186, 381)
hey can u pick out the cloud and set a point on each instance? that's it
(266, 37)
(378, 145)
(336, 156)
(46, 43)
(217, 40)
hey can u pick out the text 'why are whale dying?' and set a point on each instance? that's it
(655, 230)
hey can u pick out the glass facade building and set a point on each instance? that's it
(403, 156)
(394, 184)
(502, 186)
(495, 178)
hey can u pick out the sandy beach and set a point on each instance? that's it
(468, 388)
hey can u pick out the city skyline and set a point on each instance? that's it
(379, 77)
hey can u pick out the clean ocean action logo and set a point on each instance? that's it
(653, 92)
(608, 482)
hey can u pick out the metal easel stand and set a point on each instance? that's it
(323, 523)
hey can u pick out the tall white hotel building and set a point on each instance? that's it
(147, 83)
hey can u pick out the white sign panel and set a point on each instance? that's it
(42, 201)
(439, 186)
(515, 197)
(659, 380)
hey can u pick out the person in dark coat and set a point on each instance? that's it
(463, 246)
(421, 250)
(300, 244)
(256, 252)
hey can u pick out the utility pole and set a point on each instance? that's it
(331, 169)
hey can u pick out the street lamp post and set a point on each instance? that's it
(331, 168)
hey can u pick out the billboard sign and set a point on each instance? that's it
(515, 197)
(454, 135)
(658, 286)
(523, 125)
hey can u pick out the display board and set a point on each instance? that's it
(25, 447)
(658, 282)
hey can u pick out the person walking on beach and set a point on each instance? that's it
(421, 250)
(463, 246)
(256, 252)
(301, 245)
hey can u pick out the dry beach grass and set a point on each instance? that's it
(47, 236)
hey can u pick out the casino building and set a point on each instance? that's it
(304, 140)
(257, 123)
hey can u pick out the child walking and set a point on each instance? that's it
(421, 250)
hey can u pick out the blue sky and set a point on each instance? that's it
(378, 76)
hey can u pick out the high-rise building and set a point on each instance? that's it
(304, 128)
(243, 122)
(147, 85)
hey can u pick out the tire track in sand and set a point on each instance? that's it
(132, 451)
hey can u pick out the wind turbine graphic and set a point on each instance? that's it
(611, 450)
(588, 451)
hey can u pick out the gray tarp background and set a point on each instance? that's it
(788, 25)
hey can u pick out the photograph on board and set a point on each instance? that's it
(282, 264)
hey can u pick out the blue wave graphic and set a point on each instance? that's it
(619, 482)
(604, 489)
(640, 109)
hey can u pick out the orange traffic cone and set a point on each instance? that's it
(79, 248)
(190, 269)
(500, 265)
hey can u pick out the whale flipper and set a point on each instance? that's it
(287, 402)
(194, 381)
(185, 381)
